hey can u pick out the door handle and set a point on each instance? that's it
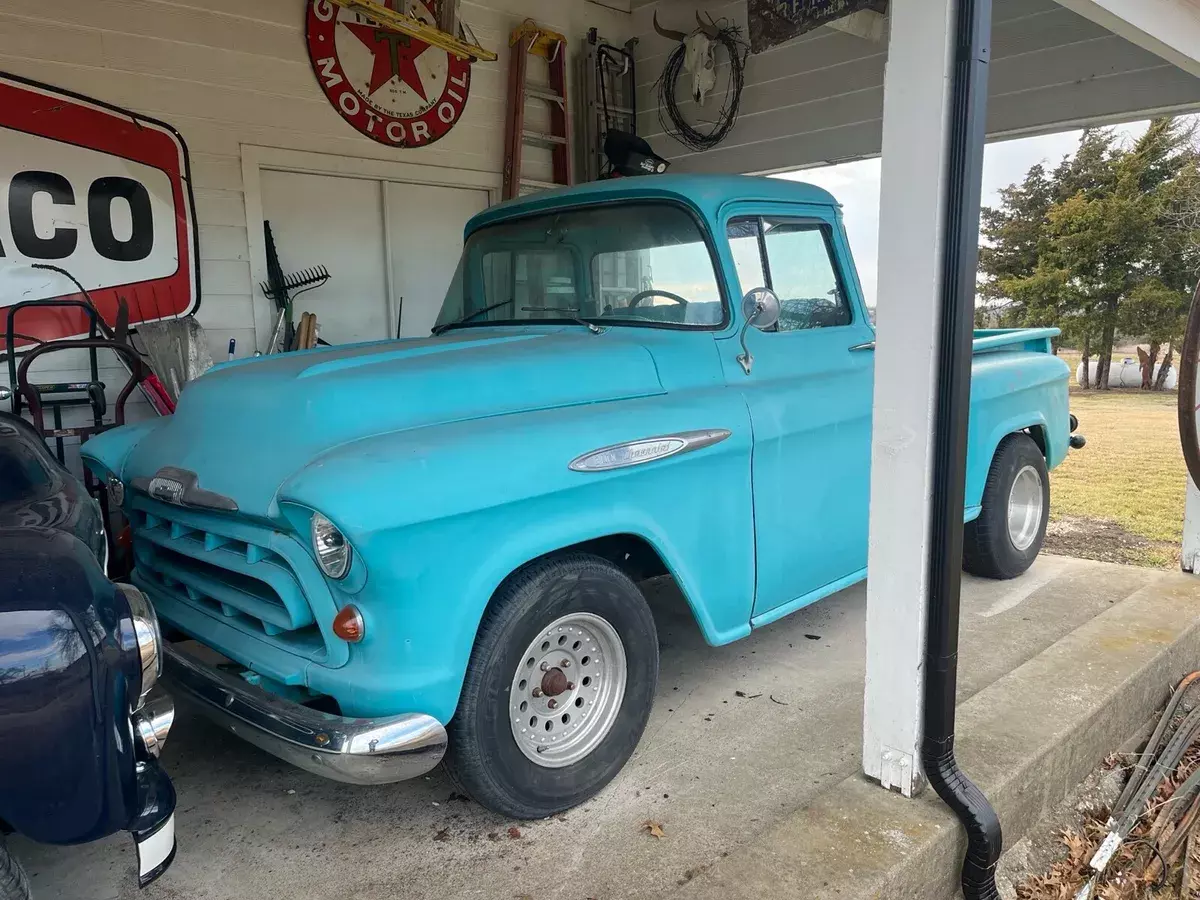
(865, 345)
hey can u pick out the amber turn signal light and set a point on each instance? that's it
(348, 625)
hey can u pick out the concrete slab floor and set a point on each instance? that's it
(714, 768)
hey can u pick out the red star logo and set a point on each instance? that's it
(395, 55)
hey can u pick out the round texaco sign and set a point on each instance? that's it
(393, 88)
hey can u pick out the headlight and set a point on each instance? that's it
(116, 491)
(331, 548)
(149, 638)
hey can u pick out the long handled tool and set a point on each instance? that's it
(284, 289)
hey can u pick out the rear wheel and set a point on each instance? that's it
(558, 689)
(1008, 535)
(13, 883)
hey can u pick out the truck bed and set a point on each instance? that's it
(1034, 340)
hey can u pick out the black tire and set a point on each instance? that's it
(484, 758)
(988, 550)
(13, 883)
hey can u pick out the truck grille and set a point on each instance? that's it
(249, 576)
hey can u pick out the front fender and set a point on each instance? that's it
(106, 452)
(440, 517)
(66, 678)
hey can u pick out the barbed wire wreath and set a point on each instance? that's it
(725, 34)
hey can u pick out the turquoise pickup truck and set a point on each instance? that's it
(392, 552)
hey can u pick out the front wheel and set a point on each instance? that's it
(13, 883)
(1008, 535)
(558, 689)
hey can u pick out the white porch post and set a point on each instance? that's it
(1191, 530)
(911, 224)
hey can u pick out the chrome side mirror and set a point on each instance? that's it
(760, 308)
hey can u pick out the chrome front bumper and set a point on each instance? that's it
(356, 751)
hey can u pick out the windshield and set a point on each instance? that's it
(622, 264)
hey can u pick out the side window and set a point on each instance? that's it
(745, 245)
(802, 273)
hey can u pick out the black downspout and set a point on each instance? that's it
(1189, 360)
(964, 176)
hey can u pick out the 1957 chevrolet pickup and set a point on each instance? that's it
(413, 548)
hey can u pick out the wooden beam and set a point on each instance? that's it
(1167, 28)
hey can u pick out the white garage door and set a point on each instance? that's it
(425, 225)
(353, 227)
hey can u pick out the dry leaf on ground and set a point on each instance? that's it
(654, 829)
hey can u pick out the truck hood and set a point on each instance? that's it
(244, 428)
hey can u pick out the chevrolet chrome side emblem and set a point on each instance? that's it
(644, 450)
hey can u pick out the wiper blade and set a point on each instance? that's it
(438, 329)
(570, 312)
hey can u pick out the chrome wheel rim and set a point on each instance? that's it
(1025, 502)
(567, 690)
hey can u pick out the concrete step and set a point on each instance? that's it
(1026, 740)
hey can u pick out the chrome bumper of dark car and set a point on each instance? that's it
(153, 828)
(356, 751)
(152, 723)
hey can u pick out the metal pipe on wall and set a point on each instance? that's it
(1189, 359)
(960, 257)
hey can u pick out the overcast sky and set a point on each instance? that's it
(856, 186)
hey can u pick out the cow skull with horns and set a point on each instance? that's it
(699, 60)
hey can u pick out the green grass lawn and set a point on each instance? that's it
(1121, 498)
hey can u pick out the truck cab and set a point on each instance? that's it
(433, 543)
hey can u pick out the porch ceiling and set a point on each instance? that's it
(1169, 28)
(819, 98)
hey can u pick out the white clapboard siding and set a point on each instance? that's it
(224, 242)
(216, 171)
(230, 73)
(819, 98)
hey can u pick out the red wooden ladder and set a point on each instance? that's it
(530, 39)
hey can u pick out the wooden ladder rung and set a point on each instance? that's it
(540, 185)
(544, 92)
(543, 139)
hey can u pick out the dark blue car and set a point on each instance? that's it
(79, 658)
